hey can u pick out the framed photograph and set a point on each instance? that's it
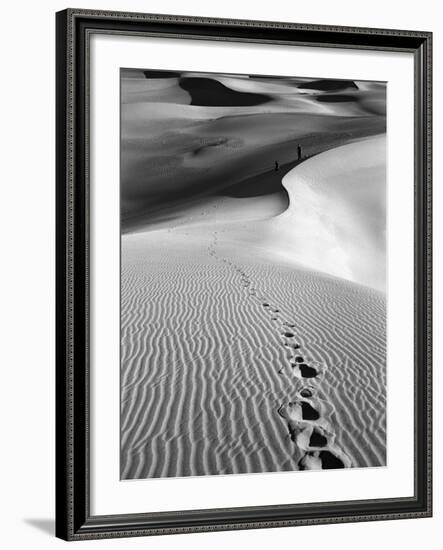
(243, 274)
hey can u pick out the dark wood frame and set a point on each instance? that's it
(73, 518)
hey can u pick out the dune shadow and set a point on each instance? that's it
(208, 92)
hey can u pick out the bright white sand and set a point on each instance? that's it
(335, 222)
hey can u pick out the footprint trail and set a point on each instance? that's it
(308, 417)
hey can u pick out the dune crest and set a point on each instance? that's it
(189, 135)
(334, 222)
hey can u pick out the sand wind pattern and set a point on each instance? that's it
(253, 310)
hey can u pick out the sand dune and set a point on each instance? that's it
(236, 359)
(327, 213)
(206, 367)
(186, 136)
(253, 307)
(334, 221)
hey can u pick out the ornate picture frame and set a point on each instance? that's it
(75, 519)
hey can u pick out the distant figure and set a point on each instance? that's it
(299, 151)
(276, 166)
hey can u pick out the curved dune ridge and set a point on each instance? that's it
(335, 220)
(237, 360)
(186, 136)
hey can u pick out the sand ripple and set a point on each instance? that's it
(217, 348)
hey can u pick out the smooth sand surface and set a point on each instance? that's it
(239, 356)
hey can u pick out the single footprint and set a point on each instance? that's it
(306, 392)
(307, 371)
(309, 427)
(330, 460)
(308, 411)
(317, 439)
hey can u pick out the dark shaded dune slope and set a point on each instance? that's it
(263, 184)
(216, 154)
(325, 85)
(161, 74)
(336, 98)
(206, 92)
(186, 136)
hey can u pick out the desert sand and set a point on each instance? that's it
(253, 325)
(189, 136)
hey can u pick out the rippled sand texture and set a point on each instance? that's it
(206, 366)
(253, 306)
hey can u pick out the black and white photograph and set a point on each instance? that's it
(253, 274)
(217, 275)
